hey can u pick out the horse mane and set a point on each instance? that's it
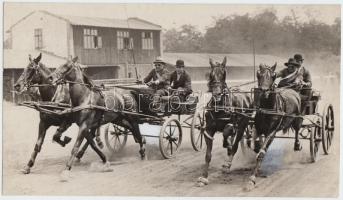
(45, 69)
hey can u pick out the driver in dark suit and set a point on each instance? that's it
(180, 80)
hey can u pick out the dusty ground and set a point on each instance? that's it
(289, 173)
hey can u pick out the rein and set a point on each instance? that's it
(247, 83)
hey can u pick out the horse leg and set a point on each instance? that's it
(83, 130)
(228, 133)
(82, 152)
(259, 159)
(98, 139)
(297, 125)
(41, 135)
(57, 136)
(91, 142)
(203, 180)
(130, 122)
(238, 135)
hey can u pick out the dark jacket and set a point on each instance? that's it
(183, 82)
(162, 76)
(303, 75)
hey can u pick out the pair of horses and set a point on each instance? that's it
(79, 92)
(281, 100)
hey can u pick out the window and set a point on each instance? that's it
(147, 40)
(123, 40)
(38, 38)
(91, 40)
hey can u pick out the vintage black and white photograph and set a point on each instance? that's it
(171, 100)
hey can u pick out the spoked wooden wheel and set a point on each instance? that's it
(115, 137)
(328, 128)
(170, 138)
(314, 142)
(197, 130)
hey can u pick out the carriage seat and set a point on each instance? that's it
(309, 103)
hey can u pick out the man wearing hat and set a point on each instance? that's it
(158, 79)
(180, 80)
(306, 76)
(289, 75)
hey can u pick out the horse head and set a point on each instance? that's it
(217, 77)
(69, 71)
(266, 76)
(31, 74)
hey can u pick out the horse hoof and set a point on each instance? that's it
(200, 184)
(26, 170)
(107, 167)
(77, 161)
(250, 186)
(66, 140)
(65, 176)
(203, 180)
(226, 169)
(297, 146)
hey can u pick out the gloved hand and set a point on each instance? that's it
(150, 84)
(306, 84)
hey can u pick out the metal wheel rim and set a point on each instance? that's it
(115, 142)
(197, 132)
(327, 123)
(314, 143)
(170, 138)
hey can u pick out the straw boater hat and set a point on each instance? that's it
(159, 60)
(292, 62)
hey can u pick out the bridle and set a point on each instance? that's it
(61, 76)
(28, 81)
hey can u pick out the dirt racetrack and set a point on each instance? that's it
(288, 173)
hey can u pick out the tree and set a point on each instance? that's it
(188, 39)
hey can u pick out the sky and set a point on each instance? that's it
(169, 15)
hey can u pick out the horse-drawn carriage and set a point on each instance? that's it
(167, 116)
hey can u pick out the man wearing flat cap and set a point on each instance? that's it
(180, 80)
(158, 79)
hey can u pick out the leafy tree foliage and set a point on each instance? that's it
(237, 33)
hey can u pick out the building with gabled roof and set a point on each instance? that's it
(111, 48)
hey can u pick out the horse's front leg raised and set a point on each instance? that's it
(41, 135)
(57, 136)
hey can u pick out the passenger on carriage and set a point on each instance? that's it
(295, 76)
(180, 80)
(158, 79)
(306, 90)
(298, 78)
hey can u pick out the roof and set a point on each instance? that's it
(18, 59)
(130, 23)
(235, 60)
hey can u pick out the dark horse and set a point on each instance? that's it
(37, 73)
(219, 118)
(280, 110)
(91, 101)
